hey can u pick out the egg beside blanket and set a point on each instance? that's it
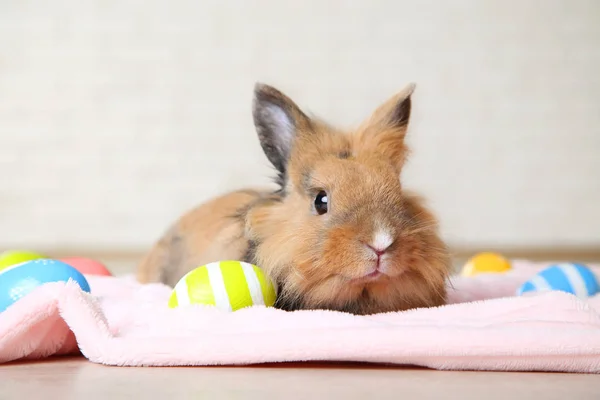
(572, 278)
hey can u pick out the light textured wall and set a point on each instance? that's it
(116, 116)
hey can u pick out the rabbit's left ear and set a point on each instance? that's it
(277, 120)
(383, 133)
(395, 112)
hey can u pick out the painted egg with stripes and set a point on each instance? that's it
(18, 280)
(568, 277)
(227, 285)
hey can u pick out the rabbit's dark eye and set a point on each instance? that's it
(321, 202)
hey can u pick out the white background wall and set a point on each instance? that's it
(116, 116)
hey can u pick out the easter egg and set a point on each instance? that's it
(87, 266)
(12, 257)
(19, 280)
(227, 285)
(486, 263)
(572, 278)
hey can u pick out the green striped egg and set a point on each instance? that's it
(228, 285)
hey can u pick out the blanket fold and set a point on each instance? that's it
(484, 327)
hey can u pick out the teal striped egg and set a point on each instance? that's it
(572, 278)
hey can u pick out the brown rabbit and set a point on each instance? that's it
(339, 233)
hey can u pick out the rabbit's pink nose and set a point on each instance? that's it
(377, 251)
(381, 243)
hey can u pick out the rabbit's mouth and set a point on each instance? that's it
(374, 275)
(382, 268)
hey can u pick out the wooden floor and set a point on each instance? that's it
(76, 378)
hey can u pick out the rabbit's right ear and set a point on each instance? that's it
(277, 120)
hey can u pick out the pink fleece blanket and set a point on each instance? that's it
(485, 327)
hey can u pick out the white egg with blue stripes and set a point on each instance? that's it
(572, 278)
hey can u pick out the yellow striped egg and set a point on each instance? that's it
(228, 285)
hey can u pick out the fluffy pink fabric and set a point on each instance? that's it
(485, 327)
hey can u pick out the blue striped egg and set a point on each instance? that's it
(19, 280)
(572, 278)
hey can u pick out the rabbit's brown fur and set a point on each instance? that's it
(327, 261)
